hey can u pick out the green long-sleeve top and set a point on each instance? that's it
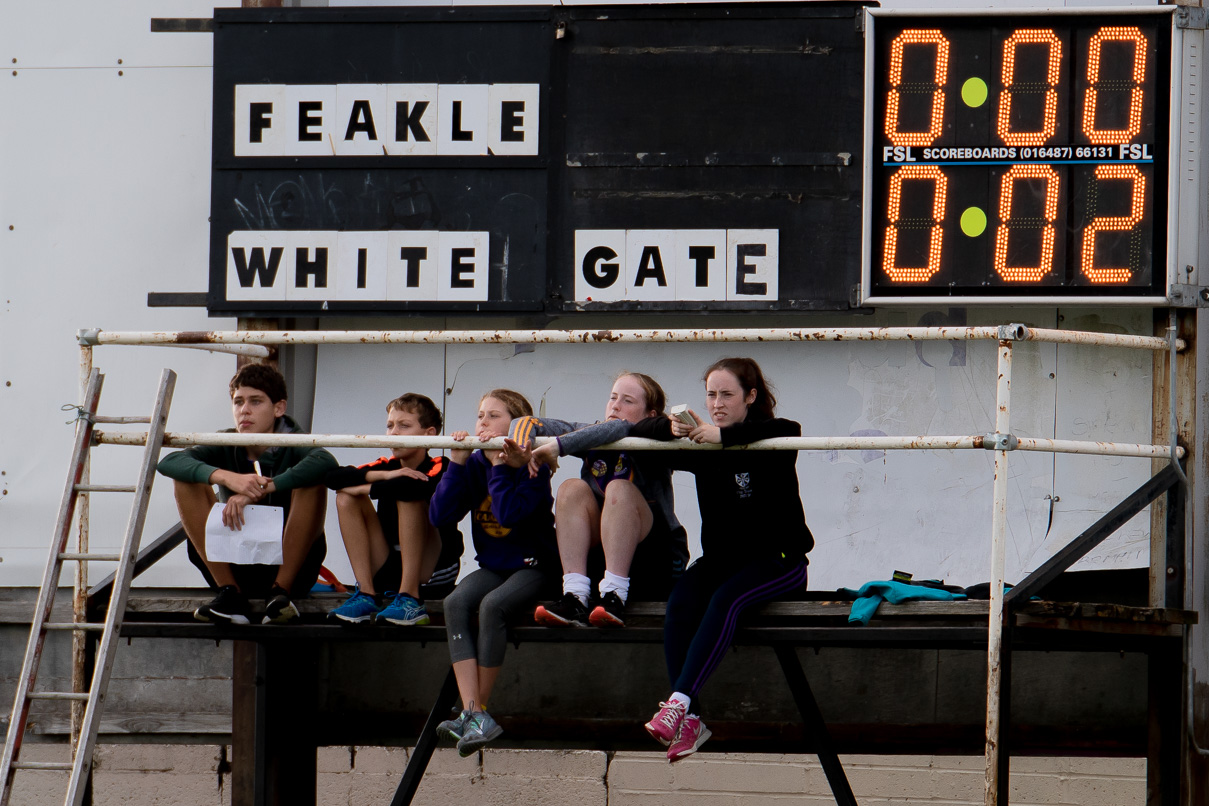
(290, 467)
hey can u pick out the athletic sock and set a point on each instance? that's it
(579, 585)
(681, 698)
(616, 584)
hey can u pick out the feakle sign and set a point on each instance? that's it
(535, 159)
(283, 120)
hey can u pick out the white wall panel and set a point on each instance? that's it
(104, 182)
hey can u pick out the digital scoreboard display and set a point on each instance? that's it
(1017, 156)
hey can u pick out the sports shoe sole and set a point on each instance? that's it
(467, 746)
(422, 621)
(285, 616)
(350, 619)
(447, 732)
(701, 737)
(547, 619)
(214, 617)
(603, 618)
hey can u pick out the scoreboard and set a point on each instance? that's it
(1017, 156)
(723, 157)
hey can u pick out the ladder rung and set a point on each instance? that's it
(105, 488)
(109, 558)
(42, 765)
(72, 625)
(101, 419)
(58, 695)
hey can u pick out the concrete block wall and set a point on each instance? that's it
(176, 775)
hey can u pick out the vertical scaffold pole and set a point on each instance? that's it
(1003, 391)
(79, 599)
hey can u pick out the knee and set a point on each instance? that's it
(573, 492)
(621, 492)
(346, 502)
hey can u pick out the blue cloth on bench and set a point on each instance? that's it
(872, 594)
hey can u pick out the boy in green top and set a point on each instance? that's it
(288, 477)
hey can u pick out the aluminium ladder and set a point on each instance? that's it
(81, 764)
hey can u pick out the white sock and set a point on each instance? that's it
(579, 585)
(683, 699)
(616, 584)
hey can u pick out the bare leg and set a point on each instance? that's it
(487, 678)
(363, 539)
(624, 524)
(302, 528)
(419, 546)
(577, 523)
(467, 674)
(193, 502)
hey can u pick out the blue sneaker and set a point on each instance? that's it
(479, 729)
(357, 608)
(454, 728)
(405, 611)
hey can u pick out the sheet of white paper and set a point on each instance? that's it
(258, 542)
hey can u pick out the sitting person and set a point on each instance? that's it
(754, 538)
(427, 561)
(513, 529)
(288, 477)
(621, 503)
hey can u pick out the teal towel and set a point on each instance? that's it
(873, 594)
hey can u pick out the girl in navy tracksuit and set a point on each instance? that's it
(513, 529)
(754, 537)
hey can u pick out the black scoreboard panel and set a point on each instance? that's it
(716, 121)
(663, 157)
(1019, 156)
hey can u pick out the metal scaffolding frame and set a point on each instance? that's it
(1001, 440)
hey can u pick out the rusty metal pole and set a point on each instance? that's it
(79, 599)
(994, 727)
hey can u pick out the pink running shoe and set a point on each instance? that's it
(692, 734)
(665, 724)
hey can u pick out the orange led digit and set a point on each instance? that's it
(1049, 122)
(1113, 274)
(1050, 212)
(1114, 34)
(916, 38)
(915, 274)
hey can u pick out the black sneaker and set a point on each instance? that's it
(610, 612)
(278, 609)
(229, 606)
(566, 612)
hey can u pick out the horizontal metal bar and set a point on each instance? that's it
(1052, 336)
(107, 558)
(58, 695)
(873, 443)
(63, 766)
(739, 335)
(106, 488)
(1097, 448)
(83, 626)
(247, 350)
(100, 419)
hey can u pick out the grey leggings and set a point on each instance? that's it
(495, 595)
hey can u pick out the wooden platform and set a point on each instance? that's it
(1100, 679)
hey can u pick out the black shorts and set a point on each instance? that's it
(254, 581)
(440, 585)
